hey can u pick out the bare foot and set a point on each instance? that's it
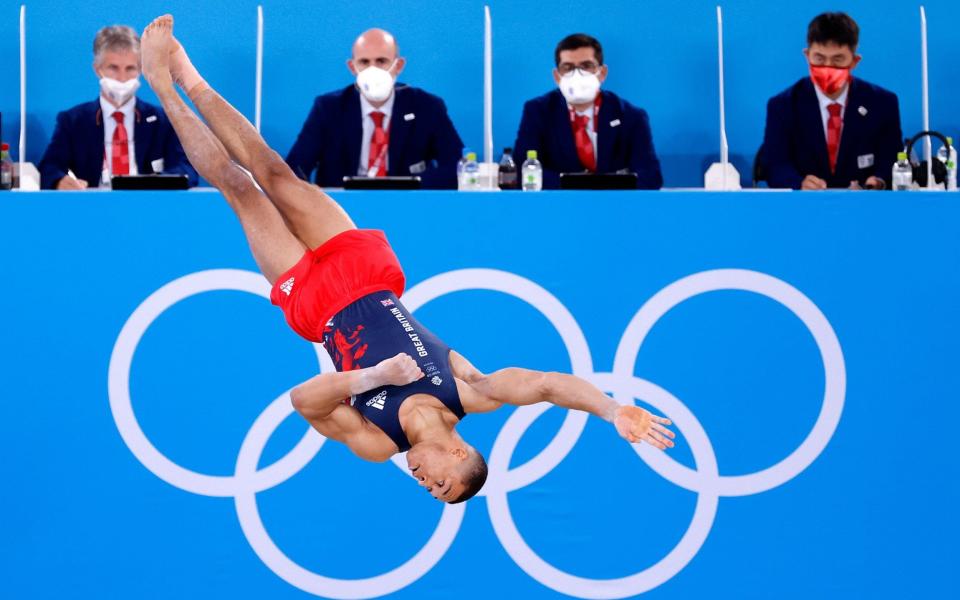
(182, 70)
(399, 370)
(155, 51)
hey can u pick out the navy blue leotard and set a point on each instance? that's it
(377, 327)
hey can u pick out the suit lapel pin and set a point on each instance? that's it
(615, 123)
(409, 117)
(151, 118)
(863, 111)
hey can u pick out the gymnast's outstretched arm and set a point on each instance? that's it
(521, 387)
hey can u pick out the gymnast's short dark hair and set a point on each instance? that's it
(578, 40)
(833, 27)
(474, 472)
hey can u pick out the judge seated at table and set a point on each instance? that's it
(831, 129)
(579, 127)
(116, 134)
(377, 127)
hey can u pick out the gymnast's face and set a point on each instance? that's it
(437, 468)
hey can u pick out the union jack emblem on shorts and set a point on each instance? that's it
(387, 302)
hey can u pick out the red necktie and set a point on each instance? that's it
(834, 125)
(584, 145)
(378, 145)
(120, 153)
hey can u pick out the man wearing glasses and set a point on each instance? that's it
(579, 128)
(831, 130)
(377, 127)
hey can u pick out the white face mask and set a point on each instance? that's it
(375, 84)
(119, 92)
(579, 87)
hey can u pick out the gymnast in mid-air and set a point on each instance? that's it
(398, 387)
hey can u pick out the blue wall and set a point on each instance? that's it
(871, 514)
(661, 56)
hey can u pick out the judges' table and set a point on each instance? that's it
(804, 344)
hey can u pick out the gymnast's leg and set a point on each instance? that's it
(311, 214)
(274, 247)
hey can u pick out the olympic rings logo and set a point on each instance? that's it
(705, 480)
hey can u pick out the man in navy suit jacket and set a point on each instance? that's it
(830, 130)
(579, 128)
(116, 134)
(377, 128)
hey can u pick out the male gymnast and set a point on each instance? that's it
(341, 286)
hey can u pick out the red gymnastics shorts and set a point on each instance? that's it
(346, 267)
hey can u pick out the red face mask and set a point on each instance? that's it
(830, 80)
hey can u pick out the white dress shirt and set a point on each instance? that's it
(109, 126)
(825, 102)
(591, 127)
(368, 128)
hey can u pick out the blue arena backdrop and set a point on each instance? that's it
(662, 57)
(868, 512)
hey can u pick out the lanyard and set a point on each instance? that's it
(596, 112)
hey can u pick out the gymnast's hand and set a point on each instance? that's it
(399, 370)
(635, 424)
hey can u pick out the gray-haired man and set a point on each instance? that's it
(116, 134)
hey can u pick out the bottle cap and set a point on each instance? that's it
(532, 154)
(4, 146)
(901, 156)
(472, 156)
(509, 150)
(950, 141)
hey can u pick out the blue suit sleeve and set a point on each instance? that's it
(530, 136)
(305, 153)
(890, 142)
(776, 150)
(643, 158)
(56, 158)
(175, 160)
(446, 148)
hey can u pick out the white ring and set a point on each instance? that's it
(308, 581)
(566, 326)
(638, 583)
(118, 388)
(830, 352)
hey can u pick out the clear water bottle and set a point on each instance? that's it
(507, 175)
(471, 173)
(460, 164)
(902, 173)
(6, 168)
(532, 173)
(950, 160)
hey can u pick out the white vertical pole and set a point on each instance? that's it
(487, 87)
(927, 143)
(23, 88)
(724, 148)
(258, 94)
